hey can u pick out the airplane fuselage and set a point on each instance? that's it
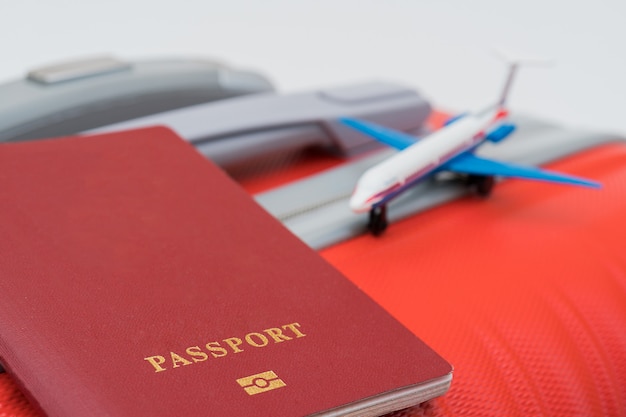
(389, 178)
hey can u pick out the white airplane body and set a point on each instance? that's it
(451, 148)
(403, 169)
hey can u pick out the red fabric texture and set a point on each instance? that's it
(524, 293)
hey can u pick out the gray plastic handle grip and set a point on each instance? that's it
(244, 127)
(75, 96)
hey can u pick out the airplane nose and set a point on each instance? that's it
(358, 203)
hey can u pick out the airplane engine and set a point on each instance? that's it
(501, 132)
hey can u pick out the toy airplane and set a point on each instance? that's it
(449, 149)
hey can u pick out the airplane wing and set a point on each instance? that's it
(471, 164)
(382, 134)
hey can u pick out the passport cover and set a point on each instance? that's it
(138, 279)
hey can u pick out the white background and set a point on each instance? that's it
(443, 48)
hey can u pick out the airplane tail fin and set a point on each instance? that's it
(514, 63)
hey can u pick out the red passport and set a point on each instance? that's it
(139, 280)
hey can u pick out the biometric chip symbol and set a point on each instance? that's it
(263, 382)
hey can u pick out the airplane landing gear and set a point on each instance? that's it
(378, 220)
(482, 185)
